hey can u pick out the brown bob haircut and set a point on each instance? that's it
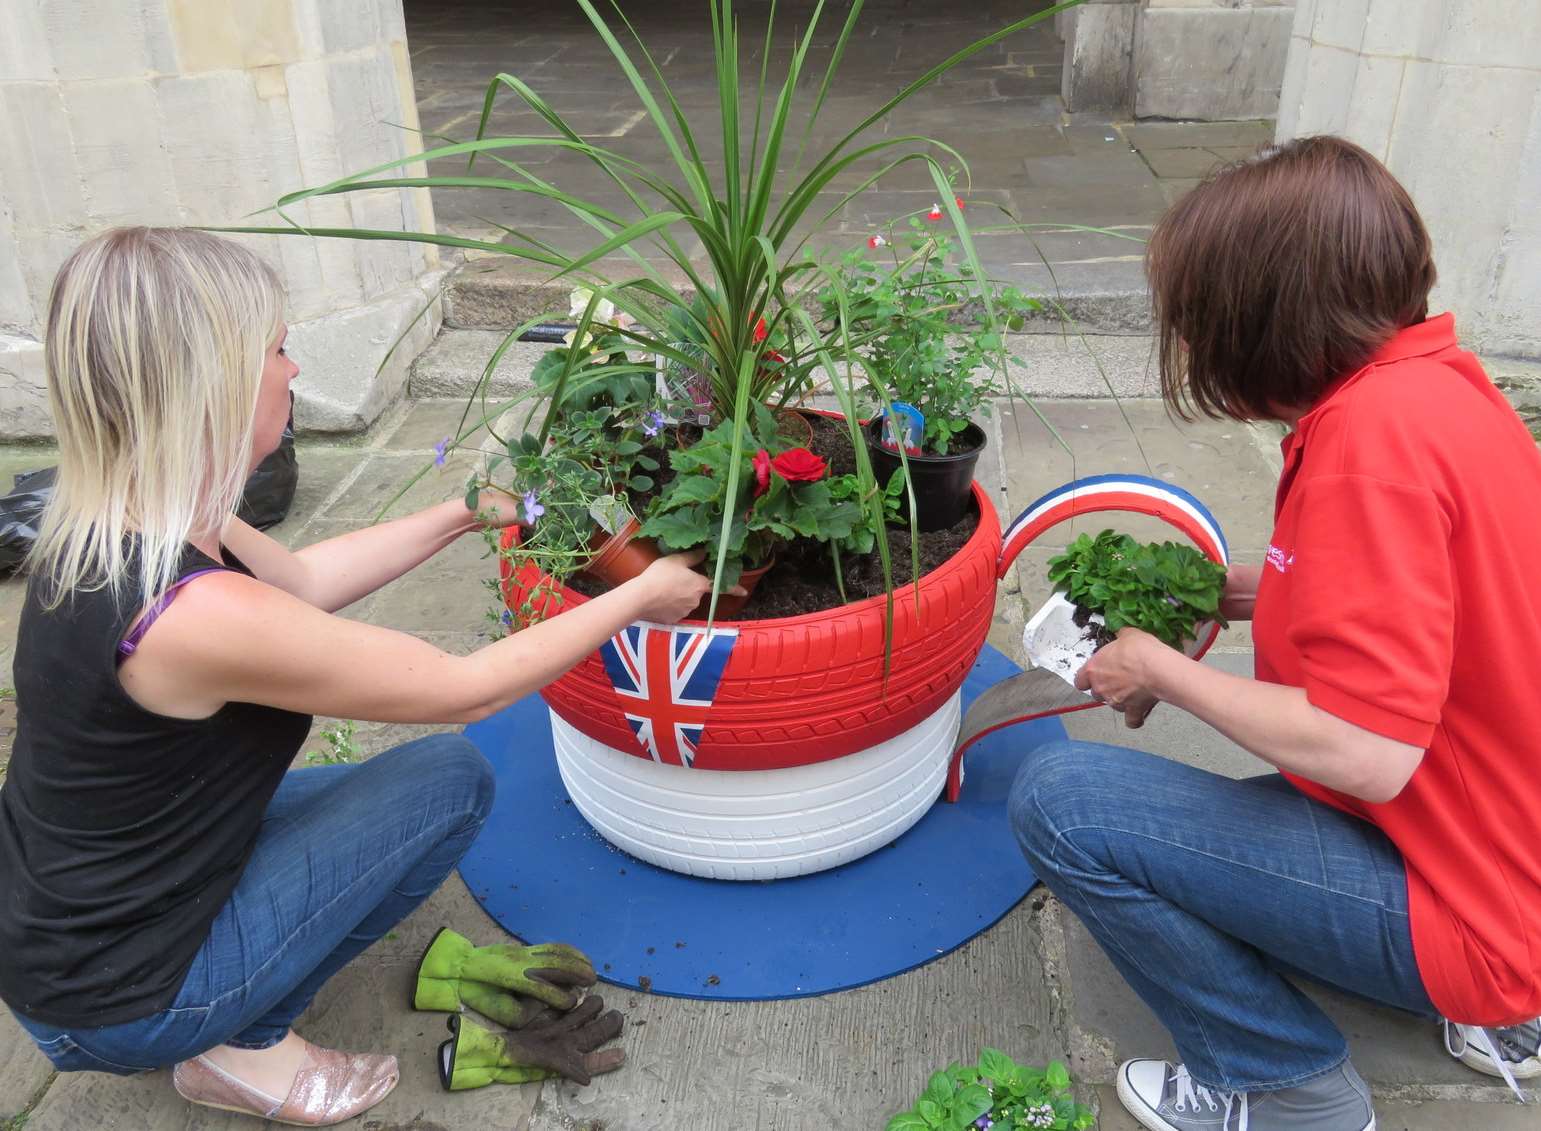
(1281, 273)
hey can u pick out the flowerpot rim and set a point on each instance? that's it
(873, 431)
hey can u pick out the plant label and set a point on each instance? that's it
(904, 424)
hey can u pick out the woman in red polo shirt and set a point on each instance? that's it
(1394, 619)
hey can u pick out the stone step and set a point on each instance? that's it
(1105, 296)
(1044, 366)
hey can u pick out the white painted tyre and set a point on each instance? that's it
(758, 824)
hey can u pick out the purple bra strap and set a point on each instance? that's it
(129, 643)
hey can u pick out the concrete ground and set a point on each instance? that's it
(1001, 111)
(1034, 985)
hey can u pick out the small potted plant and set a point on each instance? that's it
(923, 355)
(996, 1093)
(1110, 582)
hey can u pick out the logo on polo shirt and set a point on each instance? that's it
(1280, 559)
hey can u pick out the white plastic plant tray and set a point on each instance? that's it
(1053, 641)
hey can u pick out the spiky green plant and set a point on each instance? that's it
(751, 218)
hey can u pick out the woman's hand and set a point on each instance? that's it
(671, 586)
(498, 509)
(1119, 675)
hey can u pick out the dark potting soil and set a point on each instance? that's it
(803, 578)
(1082, 617)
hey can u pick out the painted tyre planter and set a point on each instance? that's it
(772, 748)
(736, 732)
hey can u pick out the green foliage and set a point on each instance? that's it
(712, 480)
(339, 751)
(996, 1093)
(918, 316)
(1165, 588)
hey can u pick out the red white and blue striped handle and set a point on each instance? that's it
(1138, 493)
(1035, 694)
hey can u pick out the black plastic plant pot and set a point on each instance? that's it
(941, 483)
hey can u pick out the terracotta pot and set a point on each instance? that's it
(795, 428)
(621, 556)
(729, 604)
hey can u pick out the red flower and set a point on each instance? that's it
(760, 332)
(799, 465)
(775, 358)
(762, 472)
(959, 201)
(935, 214)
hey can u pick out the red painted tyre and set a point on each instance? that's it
(802, 690)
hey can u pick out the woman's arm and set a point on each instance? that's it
(229, 638)
(1240, 595)
(1278, 724)
(333, 574)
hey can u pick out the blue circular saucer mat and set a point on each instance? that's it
(546, 876)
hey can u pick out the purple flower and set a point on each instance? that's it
(507, 618)
(532, 508)
(652, 423)
(440, 450)
(984, 1123)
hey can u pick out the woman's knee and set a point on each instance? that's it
(445, 770)
(1050, 774)
(466, 770)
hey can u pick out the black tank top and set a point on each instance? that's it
(122, 832)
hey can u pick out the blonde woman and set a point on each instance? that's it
(170, 892)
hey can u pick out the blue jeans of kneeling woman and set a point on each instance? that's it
(1205, 891)
(344, 854)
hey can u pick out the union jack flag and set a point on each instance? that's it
(666, 678)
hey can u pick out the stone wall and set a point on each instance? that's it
(201, 112)
(1192, 59)
(1448, 94)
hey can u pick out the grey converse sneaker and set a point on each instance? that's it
(1163, 1097)
(1513, 1053)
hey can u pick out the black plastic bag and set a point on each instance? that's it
(269, 494)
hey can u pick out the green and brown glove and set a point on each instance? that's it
(474, 1057)
(513, 984)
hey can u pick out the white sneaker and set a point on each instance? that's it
(1514, 1053)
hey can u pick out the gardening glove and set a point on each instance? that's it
(474, 1057)
(508, 982)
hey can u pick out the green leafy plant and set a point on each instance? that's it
(996, 1093)
(1166, 589)
(770, 500)
(709, 255)
(918, 315)
(339, 750)
(571, 493)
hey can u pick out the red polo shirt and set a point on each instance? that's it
(1403, 593)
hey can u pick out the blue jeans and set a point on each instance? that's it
(344, 854)
(1204, 891)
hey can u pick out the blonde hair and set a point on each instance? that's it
(154, 351)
